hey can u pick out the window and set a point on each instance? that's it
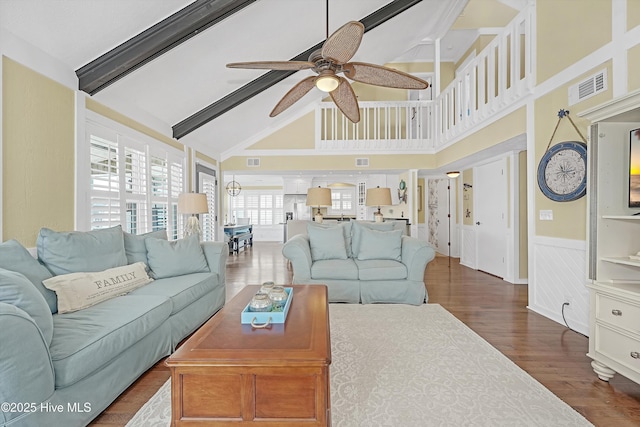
(261, 207)
(133, 182)
(342, 201)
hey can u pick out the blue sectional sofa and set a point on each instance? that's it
(361, 262)
(64, 369)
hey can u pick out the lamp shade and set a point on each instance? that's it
(378, 196)
(192, 203)
(318, 196)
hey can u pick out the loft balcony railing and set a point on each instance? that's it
(497, 78)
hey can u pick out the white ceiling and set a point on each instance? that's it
(193, 75)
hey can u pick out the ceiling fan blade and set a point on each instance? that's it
(344, 42)
(273, 65)
(346, 100)
(382, 76)
(296, 92)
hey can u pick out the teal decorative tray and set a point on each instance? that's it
(262, 319)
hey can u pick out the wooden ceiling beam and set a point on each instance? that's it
(154, 41)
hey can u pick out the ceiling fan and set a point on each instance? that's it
(331, 60)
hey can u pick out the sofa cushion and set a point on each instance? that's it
(15, 257)
(346, 230)
(326, 243)
(345, 269)
(381, 269)
(135, 247)
(86, 340)
(77, 291)
(182, 290)
(358, 226)
(81, 251)
(376, 244)
(175, 258)
(17, 290)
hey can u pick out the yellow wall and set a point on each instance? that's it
(484, 13)
(206, 158)
(38, 154)
(477, 47)
(300, 134)
(566, 32)
(633, 61)
(569, 218)
(122, 119)
(335, 163)
(506, 128)
(633, 14)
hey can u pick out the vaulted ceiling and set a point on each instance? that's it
(183, 86)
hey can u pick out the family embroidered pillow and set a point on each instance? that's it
(76, 291)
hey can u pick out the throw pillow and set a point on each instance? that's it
(346, 229)
(326, 243)
(81, 290)
(135, 247)
(17, 290)
(15, 257)
(358, 226)
(81, 251)
(376, 244)
(176, 258)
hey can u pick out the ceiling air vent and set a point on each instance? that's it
(588, 87)
(253, 162)
(362, 162)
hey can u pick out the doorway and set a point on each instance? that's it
(490, 200)
(207, 183)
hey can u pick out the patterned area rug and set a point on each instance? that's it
(400, 365)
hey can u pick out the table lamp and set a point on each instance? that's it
(318, 196)
(193, 204)
(378, 197)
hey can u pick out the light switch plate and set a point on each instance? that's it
(546, 215)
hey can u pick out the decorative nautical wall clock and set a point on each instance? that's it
(562, 171)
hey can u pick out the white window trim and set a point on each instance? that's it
(83, 163)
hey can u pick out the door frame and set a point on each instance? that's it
(513, 222)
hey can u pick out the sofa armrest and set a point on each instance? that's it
(216, 254)
(298, 251)
(25, 365)
(416, 254)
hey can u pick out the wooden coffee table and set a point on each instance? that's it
(228, 373)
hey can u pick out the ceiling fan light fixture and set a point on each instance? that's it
(327, 82)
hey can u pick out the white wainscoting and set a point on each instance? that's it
(559, 273)
(468, 247)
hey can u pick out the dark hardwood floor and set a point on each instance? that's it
(494, 309)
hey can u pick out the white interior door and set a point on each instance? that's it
(490, 201)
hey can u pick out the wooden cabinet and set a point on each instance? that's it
(228, 373)
(612, 237)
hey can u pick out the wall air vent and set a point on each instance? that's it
(253, 162)
(588, 87)
(362, 162)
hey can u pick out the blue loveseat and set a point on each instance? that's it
(64, 369)
(361, 261)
